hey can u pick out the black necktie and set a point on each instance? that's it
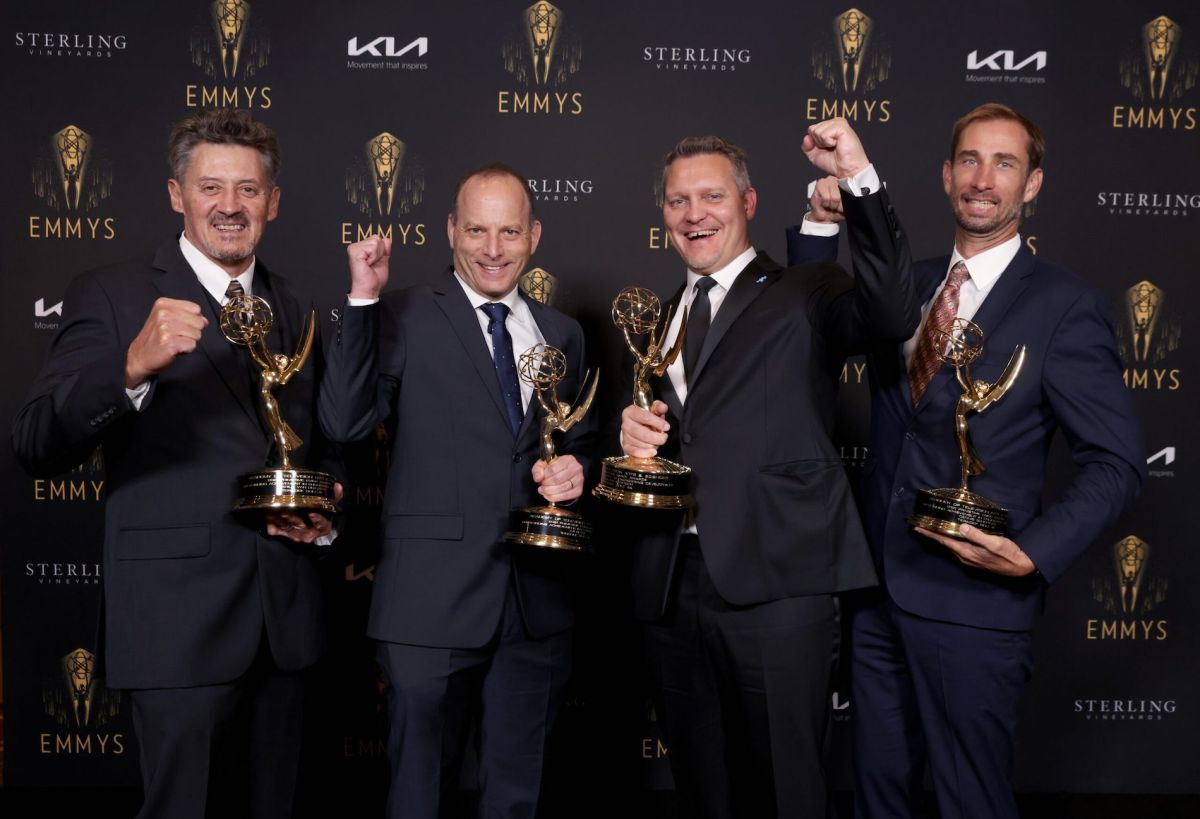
(699, 317)
(502, 357)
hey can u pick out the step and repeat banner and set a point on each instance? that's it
(381, 106)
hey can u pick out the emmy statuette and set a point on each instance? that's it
(945, 510)
(650, 483)
(551, 526)
(245, 321)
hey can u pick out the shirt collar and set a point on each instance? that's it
(212, 276)
(987, 266)
(517, 308)
(727, 274)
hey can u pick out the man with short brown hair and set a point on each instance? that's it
(942, 650)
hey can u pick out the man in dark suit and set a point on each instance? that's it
(738, 596)
(209, 621)
(941, 652)
(465, 625)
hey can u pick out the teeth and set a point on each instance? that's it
(230, 227)
(701, 234)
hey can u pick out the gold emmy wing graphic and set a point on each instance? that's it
(651, 483)
(245, 321)
(542, 26)
(72, 146)
(385, 155)
(538, 284)
(229, 19)
(945, 510)
(853, 29)
(1160, 37)
(551, 526)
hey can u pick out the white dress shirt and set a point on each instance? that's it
(985, 269)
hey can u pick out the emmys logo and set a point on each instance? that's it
(541, 54)
(1148, 336)
(559, 190)
(383, 52)
(1148, 204)
(228, 51)
(1167, 456)
(676, 58)
(1128, 595)
(87, 46)
(384, 181)
(1125, 710)
(1159, 74)
(854, 60)
(63, 574)
(1005, 67)
(80, 704)
(539, 285)
(42, 311)
(71, 177)
(83, 483)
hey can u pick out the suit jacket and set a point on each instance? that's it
(773, 505)
(1071, 381)
(456, 471)
(189, 589)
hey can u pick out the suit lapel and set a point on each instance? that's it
(178, 281)
(1007, 289)
(450, 298)
(754, 280)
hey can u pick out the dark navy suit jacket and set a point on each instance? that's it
(456, 469)
(1071, 381)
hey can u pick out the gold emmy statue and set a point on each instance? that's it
(245, 321)
(229, 18)
(945, 510)
(653, 483)
(551, 526)
(542, 22)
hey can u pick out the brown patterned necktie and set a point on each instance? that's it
(927, 357)
(233, 290)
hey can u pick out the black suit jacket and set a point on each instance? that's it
(1071, 381)
(456, 470)
(189, 590)
(773, 505)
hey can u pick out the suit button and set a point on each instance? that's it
(516, 457)
(908, 436)
(687, 437)
(900, 491)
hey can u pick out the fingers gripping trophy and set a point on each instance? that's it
(551, 526)
(654, 483)
(245, 321)
(944, 510)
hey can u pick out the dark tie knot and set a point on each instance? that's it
(496, 311)
(704, 284)
(234, 289)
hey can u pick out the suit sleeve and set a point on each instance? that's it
(362, 372)
(880, 306)
(79, 394)
(1082, 381)
(804, 248)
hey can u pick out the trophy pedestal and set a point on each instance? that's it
(300, 489)
(649, 483)
(549, 527)
(944, 510)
